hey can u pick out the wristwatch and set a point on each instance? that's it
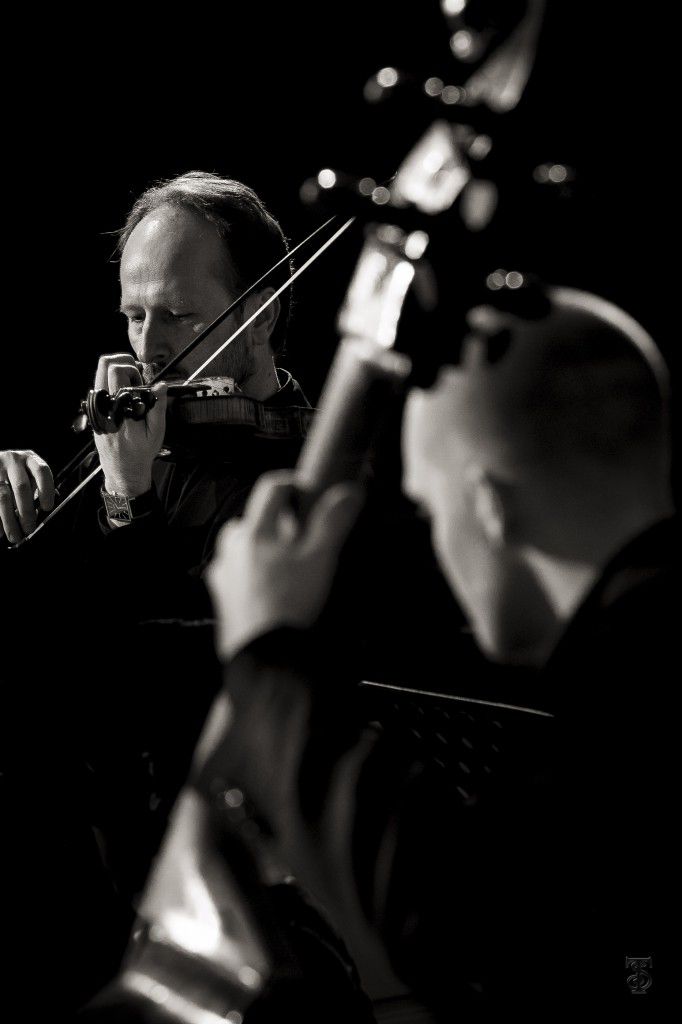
(122, 509)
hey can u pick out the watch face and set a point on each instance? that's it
(124, 510)
(117, 507)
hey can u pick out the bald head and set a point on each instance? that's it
(581, 391)
(551, 436)
(174, 246)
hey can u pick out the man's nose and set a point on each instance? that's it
(151, 343)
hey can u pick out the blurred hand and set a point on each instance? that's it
(128, 455)
(25, 479)
(269, 570)
(262, 739)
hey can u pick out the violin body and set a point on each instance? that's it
(237, 411)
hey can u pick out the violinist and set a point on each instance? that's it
(104, 600)
(543, 463)
(188, 247)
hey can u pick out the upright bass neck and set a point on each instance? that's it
(367, 373)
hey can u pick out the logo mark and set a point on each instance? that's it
(639, 979)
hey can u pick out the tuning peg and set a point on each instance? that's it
(362, 197)
(554, 174)
(520, 293)
(80, 423)
(385, 84)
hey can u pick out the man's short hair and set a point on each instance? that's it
(253, 238)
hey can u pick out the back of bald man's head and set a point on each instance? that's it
(581, 394)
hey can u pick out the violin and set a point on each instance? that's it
(206, 402)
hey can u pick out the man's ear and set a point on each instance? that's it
(490, 502)
(262, 327)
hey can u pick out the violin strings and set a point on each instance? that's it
(287, 284)
(268, 302)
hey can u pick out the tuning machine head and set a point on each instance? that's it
(105, 413)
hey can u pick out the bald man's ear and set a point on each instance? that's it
(263, 326)
(489, 502)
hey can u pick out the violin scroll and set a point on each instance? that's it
(105, 413)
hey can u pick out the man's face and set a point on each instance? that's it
(434, 477)
(453, 473)
(174, 281)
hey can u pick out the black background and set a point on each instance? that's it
(100, 106)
